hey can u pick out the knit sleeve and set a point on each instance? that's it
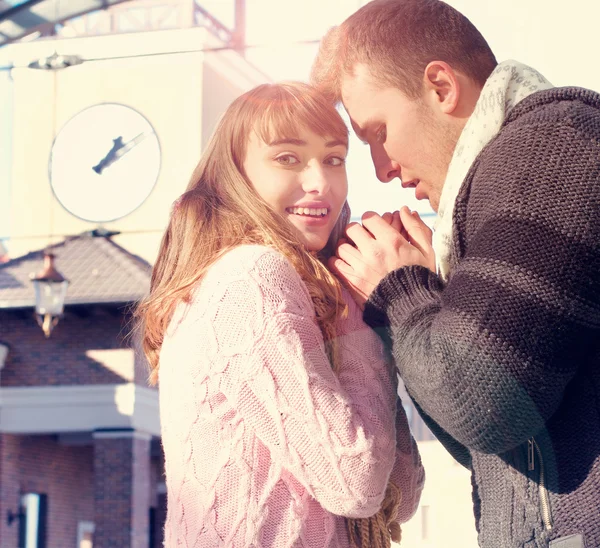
(408, 473)
(333, 433)
(489, 356)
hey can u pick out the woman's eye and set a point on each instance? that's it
(335, 161)
(287, 160)
(381, 134)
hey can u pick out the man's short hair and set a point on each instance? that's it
(397, 39)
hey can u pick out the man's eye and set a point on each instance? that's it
(381, 134)
(287, 160)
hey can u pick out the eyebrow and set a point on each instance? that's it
(331, 144)
(288, 141)
(300, 142)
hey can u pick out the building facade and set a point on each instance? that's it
(80, 457)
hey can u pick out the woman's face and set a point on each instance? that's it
(302, 178)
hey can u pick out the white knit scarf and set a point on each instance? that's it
(509, 84)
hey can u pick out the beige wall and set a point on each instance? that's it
(182, 95)
(558, 38)
(445, 515)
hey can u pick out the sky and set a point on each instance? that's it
(556, 38)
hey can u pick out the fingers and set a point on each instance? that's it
(378, 227)
(339, 267)
(428, 232)
(359, 235)
(419, 233)
(349, 278)
(393, 219)
(396, 222)
(371, 252)
(348, 253)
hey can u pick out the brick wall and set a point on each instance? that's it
(158, 498)
(109, 481)
(67, 357)
(9, 488)
(122, 490)
(40, 464)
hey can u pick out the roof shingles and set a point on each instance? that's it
(98, 269)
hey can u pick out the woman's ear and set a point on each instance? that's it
(442, 86)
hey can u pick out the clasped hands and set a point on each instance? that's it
(379, 246)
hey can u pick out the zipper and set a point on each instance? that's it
(532, 449)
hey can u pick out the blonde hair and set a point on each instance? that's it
(397, 39)
(221, 210)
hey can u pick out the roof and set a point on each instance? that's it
(18, 18)
(98, 270)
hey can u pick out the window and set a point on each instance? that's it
(85, 534)
(32, 522)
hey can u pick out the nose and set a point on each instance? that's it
(385, 168)
(316, 181)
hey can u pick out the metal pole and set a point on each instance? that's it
(239, 31)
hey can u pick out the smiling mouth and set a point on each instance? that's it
(308, 211)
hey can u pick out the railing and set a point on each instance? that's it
(136, 16)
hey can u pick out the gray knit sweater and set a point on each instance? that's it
(503, 362)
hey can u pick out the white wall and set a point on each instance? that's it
(6, 108)
(180, 94)
(560, 39)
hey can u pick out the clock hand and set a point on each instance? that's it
(118, 150)
(110, 157)
(131, 143)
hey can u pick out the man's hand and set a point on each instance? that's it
(381, 245)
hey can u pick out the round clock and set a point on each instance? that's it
(104, 162)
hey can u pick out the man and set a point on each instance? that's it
(499, 347)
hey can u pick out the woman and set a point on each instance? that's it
(277, 403)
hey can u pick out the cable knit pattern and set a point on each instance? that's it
(264, 445)
(509, 349)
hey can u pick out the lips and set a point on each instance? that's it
(420, 193)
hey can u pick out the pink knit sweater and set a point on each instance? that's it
(265, 446)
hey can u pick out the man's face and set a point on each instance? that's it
(408, 138)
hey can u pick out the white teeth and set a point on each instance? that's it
(312, 211)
